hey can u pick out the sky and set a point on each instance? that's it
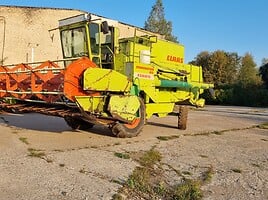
(239, 26)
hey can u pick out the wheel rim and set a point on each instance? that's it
(134, 124)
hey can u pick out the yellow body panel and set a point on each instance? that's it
(97, 79)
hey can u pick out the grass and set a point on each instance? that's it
(203, 156)
(82, 171)
(36, 153)
(186, 173)
(117, 197)
(49, 160)
(58, 150)
(221, 132)
(122, 155)
(236, 170)
(24, 140)
(263, 126)
(149, 158)
(166, 138)
(207, 175)
(148, 181)
(255, 165)
(188, 190)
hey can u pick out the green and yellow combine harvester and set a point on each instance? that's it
(105, 79)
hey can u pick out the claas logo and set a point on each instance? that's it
(174, 59)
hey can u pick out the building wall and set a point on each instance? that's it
(24, 35)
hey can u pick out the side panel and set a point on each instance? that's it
(167, 53)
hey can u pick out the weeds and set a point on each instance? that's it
(117, 197)
(188, 190)
(24, 140)
(140, 180)
(255, 165)
(207, 175)
(150, 158)
(263, 126)
(166, 138)
(82, 171)
(237, 170)
(122, 155)
(148, 181)
(186, 173)
(36, 153)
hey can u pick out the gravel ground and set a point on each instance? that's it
(82, 165)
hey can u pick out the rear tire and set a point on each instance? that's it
(182, 117)
(77, 124)
(130, 130)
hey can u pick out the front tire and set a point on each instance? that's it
(122, 130)
(77, 124)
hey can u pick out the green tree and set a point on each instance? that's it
(263, 71)
(219, 67)
(157, 23)
(248, 73)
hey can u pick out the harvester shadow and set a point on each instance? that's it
(161, 125)
(100, 130)
(44, 123)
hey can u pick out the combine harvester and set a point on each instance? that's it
(105, 80)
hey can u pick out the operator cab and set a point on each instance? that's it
(83, 37)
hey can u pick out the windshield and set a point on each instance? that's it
(74, 42)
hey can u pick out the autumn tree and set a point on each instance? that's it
(248, 74)
(157, 23)
(235, 78)
(219, 67)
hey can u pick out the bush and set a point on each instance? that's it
(239, 95)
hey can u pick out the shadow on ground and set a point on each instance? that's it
(43, 123)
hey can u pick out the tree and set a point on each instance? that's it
(157, 23)
(248, 73)
(263, 71)
(219, 67)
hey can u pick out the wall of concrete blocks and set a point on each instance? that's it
(25, 35)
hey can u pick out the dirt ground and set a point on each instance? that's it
(81, 165)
